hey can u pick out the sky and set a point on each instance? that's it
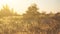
(20, 6)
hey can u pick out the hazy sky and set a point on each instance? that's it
(21, 5)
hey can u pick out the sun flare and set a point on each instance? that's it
(20, 6)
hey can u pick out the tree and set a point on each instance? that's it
(5, 11)
(32, 12)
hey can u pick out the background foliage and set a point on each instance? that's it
(33, 22)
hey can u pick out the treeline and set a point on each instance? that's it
(42, 23)
(6, 11)
(32, 22)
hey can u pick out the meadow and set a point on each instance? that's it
(32, 22)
